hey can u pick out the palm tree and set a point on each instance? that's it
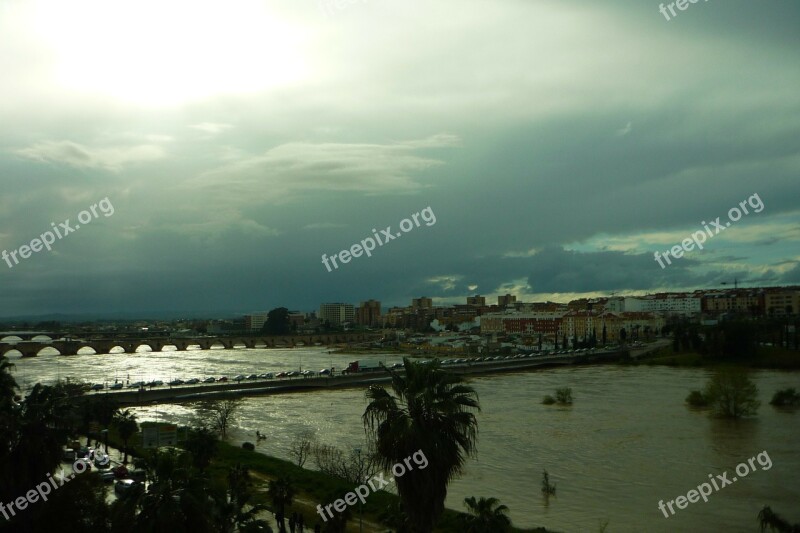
(281, 492)
(767, 518)
(238, 514)
(486, 515)
(125, 422)
(432, 412)
(202, 443)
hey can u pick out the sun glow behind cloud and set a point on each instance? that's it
(169, 53)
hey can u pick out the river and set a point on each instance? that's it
(626, 443)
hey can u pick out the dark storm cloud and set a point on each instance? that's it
(559, 143)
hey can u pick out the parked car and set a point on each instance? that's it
(107, 475)
(124, 486)
(240, 377)
(209, 380)
(307, 373)
(223, 379)
(193, 381)
(252, 376)
(116, 386)
(98, 386)
(281, 374)
(176, 382)
(325, 372)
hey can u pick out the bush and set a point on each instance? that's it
(696, 398)
(564, 395)
(249, 446)
(785, 398)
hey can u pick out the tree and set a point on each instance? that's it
(220, 413)
(486, 515)
(432, 411)
(125, 422)
(277, 322)
(238, 514)
(338, 522)
(354, 467)
(732, 394)
(767, 518)
(301, 447)
(281, 493)
(202, 443)
(785, 398)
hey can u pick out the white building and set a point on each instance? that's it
(668, 304)
(337, 313)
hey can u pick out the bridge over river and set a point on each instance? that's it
(70, 346)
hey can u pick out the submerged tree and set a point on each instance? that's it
(732, 394)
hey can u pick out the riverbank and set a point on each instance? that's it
(312, 488)
(767, 358)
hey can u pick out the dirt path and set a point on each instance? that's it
(304, 504)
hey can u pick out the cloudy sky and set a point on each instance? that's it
(558, 143)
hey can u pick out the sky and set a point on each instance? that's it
(559, 145)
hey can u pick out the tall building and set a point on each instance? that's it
(255, 321)
(423, 302)
(369, 313)
(337, 313)
(476, 300)
(508, 299)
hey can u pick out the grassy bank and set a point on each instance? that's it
(767, 358)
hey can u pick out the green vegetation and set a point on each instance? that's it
(697, 398)
(486, 515)
(769, 519)
(277, 322)
(563, 397)
(757, 343)
(431, 411)
(731, 394)
(786, 398)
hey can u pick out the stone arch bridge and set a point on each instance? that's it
(157, 344)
